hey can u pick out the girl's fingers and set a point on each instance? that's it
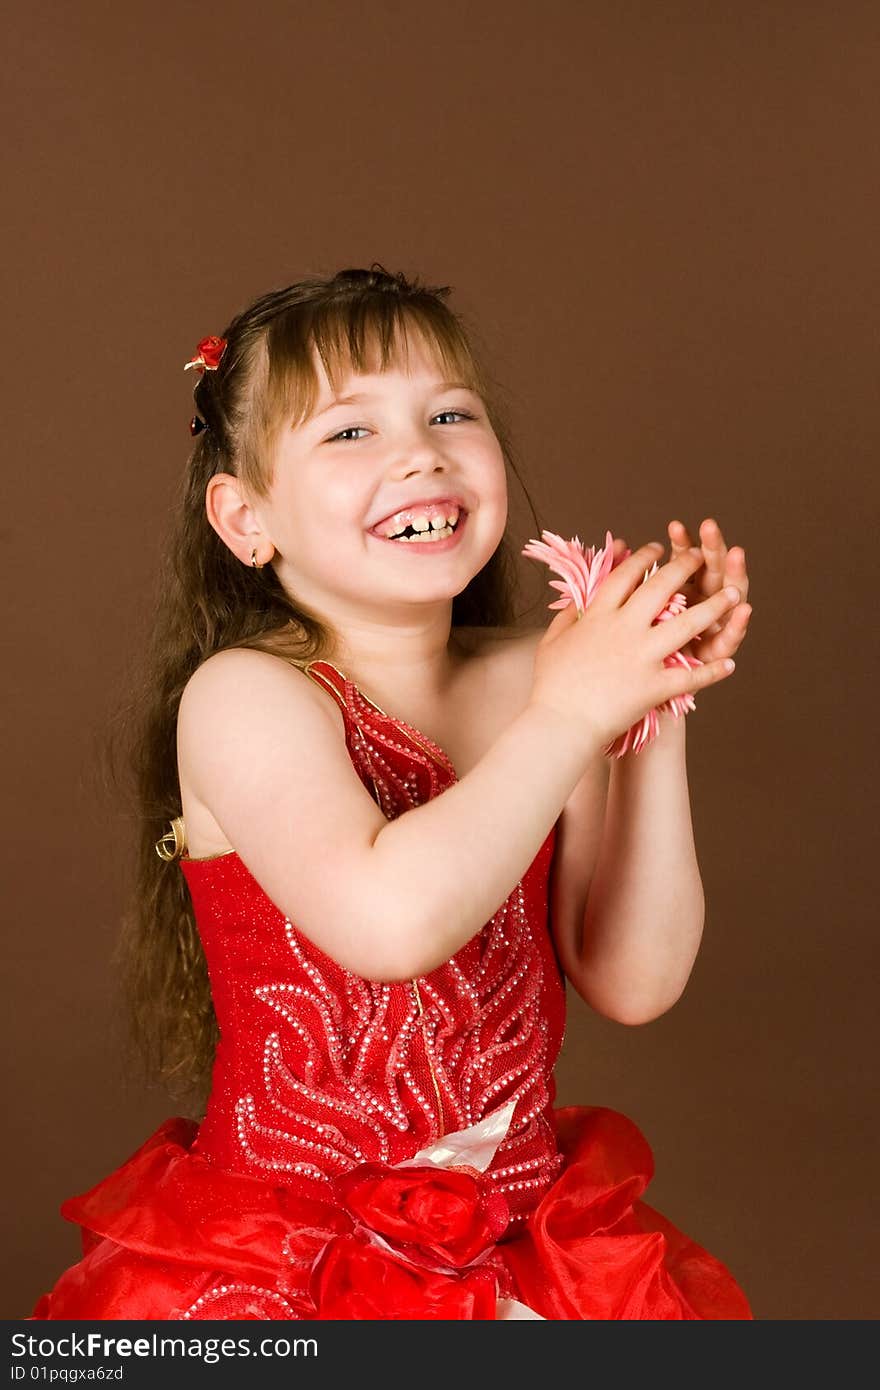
(723, 565)
(726, 640)
(653, 595)
(681, 682)
(679, 537)
(710, 673)
(675, 633)
(715, 549)
(626, 576)
(736, 569)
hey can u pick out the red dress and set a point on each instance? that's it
(295, 1197)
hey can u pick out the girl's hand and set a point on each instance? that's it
(603, 673)
(721, 567)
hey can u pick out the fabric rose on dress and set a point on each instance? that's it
(357, 1279)
(445, 1216)
(407, 1240)
(582, 571)
(207, 356)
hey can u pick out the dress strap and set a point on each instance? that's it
(355, 705)
(327, 682)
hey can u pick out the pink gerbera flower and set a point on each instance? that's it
(582, 571)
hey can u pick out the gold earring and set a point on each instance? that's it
(254, 559)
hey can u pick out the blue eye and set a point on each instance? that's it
(350, 428)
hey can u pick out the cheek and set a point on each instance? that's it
(331, 510)
(494, 486)
(347, 498)
(488, 470)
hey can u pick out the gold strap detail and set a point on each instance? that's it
(173, 842)
(325, 683)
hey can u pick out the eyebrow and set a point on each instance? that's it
(367, 395)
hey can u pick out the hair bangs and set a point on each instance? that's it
(351, 336)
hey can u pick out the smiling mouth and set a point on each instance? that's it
(436, 537)
(411, 536)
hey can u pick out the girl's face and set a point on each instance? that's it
(408, 439)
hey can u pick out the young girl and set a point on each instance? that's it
(386, 812)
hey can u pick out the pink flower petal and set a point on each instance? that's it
(581, 572)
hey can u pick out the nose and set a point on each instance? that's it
(419, 455)
(414, 468)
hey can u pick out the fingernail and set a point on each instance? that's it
(731, 592)
(729, 664)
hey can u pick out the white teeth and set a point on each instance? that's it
(426, 538)
(421, 523)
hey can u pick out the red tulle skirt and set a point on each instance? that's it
(169, 1235)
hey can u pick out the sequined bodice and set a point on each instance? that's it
(318, 1069)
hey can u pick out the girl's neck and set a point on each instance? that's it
(419, 670)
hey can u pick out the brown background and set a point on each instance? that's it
(663, 220)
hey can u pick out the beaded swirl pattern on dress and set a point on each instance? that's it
(338, 1069)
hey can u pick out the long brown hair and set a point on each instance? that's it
(207, 600)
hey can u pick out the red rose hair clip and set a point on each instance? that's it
(207, 359)
(208, 355)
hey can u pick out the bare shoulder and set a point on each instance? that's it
(264, 771)
(226, 713)
(234, 663)
(229, 683)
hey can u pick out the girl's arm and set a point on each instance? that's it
(629, 902)
(458, 857)
(264, 750)
(631, 952)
